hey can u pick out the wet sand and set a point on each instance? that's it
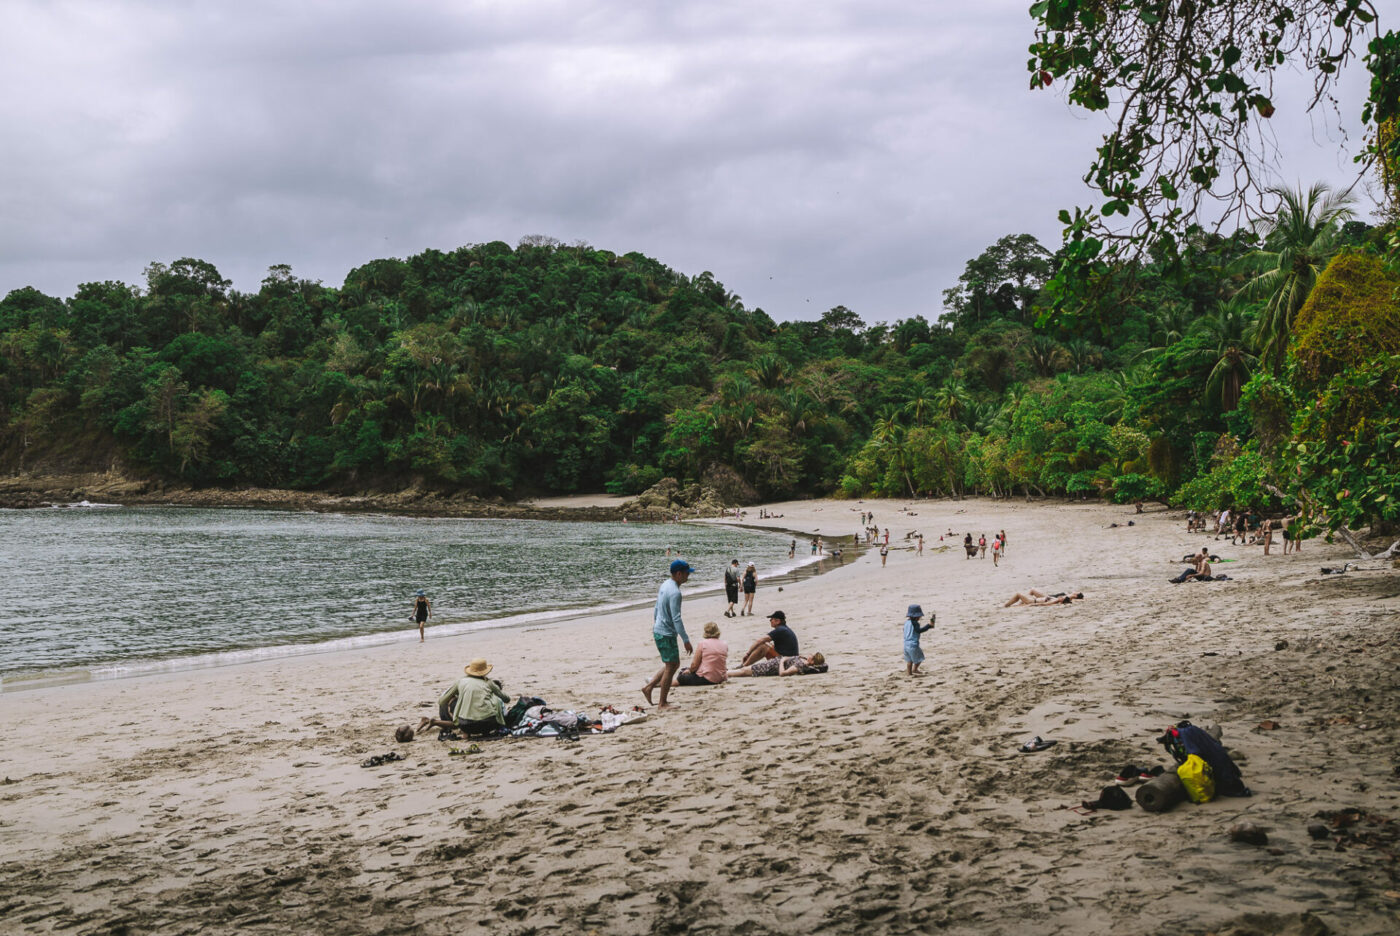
(857, 801)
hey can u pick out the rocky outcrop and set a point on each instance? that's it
(28, 491)
(668, 499)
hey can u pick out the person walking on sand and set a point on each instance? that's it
(731, 587)
(750, 587)
(1002, 536)
(884, 555)
(667, 627)
(982, 546)
(921, 544)
(422, 610)
(996, 552)
(913, 655)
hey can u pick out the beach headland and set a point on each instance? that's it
(852, 802)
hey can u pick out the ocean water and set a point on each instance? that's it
(90, 593)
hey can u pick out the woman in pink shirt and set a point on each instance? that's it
(711, 661)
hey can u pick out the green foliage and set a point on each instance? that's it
(1347, 444)
(543, 368)
(1187, 87)
(1351, 314)
(1238, 481)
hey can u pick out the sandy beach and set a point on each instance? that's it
(861, 800)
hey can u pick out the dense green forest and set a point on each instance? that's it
(1205, 378)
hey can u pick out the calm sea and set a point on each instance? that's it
(102, 592)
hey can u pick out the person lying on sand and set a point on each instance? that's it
(1036, 597)
(473, 704)
(778, 642)
(781, 666)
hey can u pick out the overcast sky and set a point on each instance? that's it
(809, 154)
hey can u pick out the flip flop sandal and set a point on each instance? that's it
(1036, 744)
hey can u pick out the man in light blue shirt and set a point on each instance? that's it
(666, 628)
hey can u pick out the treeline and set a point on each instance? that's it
(554, 368)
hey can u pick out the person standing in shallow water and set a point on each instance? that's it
(422, 610)
(666, 629)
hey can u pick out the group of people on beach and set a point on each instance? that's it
(773, 654)
(1246, 528)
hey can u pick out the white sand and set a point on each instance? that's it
(858, 801)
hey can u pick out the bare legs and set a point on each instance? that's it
(662, 680)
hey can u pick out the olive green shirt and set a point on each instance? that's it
(478, 699)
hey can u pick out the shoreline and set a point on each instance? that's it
(856, 801)
(137, 668)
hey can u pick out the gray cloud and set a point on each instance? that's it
(808, 154)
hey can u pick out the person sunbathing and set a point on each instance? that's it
(1035, 597)
(782, 666)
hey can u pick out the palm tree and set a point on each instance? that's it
(1082, 355)
(918, 404)
(1298, 242)
(1044, 355)
(1228, 327)
(951, 398)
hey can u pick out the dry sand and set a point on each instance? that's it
(859, 801)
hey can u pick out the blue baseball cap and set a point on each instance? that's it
(680, 565)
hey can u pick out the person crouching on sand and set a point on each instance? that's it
(473, 704)
(666, 628)
(913, 655)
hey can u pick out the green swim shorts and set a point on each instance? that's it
(670, 650)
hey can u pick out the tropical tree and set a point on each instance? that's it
(1228, 329)
(1299, 240)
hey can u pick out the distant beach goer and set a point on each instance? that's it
(884, 555)
(473, 704)
(1002, 537)
(731, 587)
(422, 610)
(781, 666)
(792, 549)
(982, 546)
(913, 655)
(667, 627)
(778, 642)
(921, 544)
(750, 587)
(1040, 598)
(996, 552)
(969, 545)
(710, 665)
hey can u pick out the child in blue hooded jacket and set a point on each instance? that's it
(913, 656)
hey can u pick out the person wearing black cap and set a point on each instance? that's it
(778, 642)
(666, 628)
